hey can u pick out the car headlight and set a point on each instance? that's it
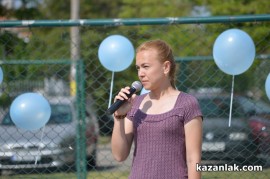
(238, 136)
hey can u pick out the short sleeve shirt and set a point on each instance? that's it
(159, 139)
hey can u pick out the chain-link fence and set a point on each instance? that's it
(39, 56)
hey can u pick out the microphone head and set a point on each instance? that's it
(137, 85)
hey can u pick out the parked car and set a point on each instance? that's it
(259, 122)
(53, 146)
(236, 143)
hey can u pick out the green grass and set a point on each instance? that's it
(102, 140)
(41, 176)
(108, 175)
(265, 174)
(90, 175)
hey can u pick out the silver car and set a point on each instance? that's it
(53, 146)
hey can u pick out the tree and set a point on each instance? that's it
(22, 10)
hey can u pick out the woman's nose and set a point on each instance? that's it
(140, 73)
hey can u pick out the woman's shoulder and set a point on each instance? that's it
(186, 97)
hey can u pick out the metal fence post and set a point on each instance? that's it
(80, 100)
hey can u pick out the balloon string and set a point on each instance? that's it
(39, 152)
(230, 116)
(111, 89)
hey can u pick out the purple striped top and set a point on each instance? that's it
(159, 139)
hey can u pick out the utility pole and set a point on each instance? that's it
(75, 56)
(74, 45)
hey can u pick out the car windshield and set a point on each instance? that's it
(60, 114)
(220, 107)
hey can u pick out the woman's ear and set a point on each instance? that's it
(166, 67)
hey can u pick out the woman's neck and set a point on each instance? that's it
(160, 93)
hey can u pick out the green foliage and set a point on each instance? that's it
(5, 101)
(157, 8)
(28, 9)
(100, 9)
(52, 10)
(8, 43)
(235, 7)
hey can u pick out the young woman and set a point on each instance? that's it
(164, 124)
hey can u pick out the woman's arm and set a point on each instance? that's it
(193, 137)
(122, 137)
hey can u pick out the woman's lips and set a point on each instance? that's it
(143, 82)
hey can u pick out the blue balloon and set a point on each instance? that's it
(144, 91)
(234, 51)
(267, 86)
(30, 111)
(1, 75)
(116, 53)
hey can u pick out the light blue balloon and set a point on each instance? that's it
(116, 53)
(234, 51)
(1, 75)
(144, 91)
(267, 86)
(30, 111)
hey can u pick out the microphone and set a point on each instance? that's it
(135, 87)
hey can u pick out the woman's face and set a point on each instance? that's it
(151, 71)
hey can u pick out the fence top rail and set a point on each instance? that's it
(69, 61)
(135, 21)
(36, 62)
